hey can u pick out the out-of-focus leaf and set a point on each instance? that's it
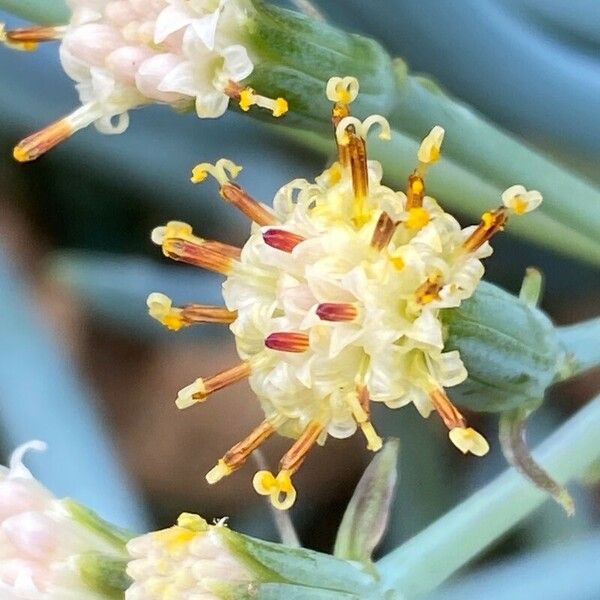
(429, 558)
(365, 520)
(563, 573)
(41, 397)
(116, 287)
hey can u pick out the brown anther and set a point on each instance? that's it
(39, 143)
(213, 256)
(202, 313)
(237, 196)
(415, 191)
(429, 290)
(33, 35)
(237, 455)
(282, 240)
(222, 380)
(364, 398)
(448, 412)
(384, 231)
(295, 456)
(287, 341)
(491, 223)
(337, 311)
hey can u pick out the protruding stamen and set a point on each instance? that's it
(32, 35)
(288, 341)
(224, 170)
(199, 390)
(179, 243)
(430, 290)
(466, 439)
(491, 223)
(253, 209)
(282, 240)
(384, 231)
(357, 155)
(415, 191)
(238, 454)
(520, 201)
(450, 414)
(204, 313)
(247, 97)
(280, 489)
(161, 308)
(431, 146)
(348, 125)
(343, 90)
(337, 311)
(361, 409)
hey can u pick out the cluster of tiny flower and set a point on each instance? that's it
(335, 299)
(123, 54)
(188, 562)
(39, 539)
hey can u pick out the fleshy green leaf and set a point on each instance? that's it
(365, 520)
(284, 591)
(272, 562)
(39, 11)
(429, 558)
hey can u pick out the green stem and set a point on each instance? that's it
(429, 558)
(39, 11)
(582, 342)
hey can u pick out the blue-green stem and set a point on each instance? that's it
(429, 558)
(45, 11)
(582, 342)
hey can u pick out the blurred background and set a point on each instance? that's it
(87, 370)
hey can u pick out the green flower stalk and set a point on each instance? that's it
(246, 54)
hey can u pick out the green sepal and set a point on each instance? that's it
(284, 591)
(510, 349)
(104, 574)
(116, 536)
(275, 563)
(365, 520)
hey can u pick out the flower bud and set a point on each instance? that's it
(510, 349)
(42, 538)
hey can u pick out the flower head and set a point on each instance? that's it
(123, 54)
(337, 297)
(186, 561)
(40, 539)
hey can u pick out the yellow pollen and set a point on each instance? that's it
(199, 174)
(281, 107)
(520, 206)
(266, 484)
(417, 186)
(434, 154)
(488, 219)
(335, 173)
(247, 99)
(418, 217)
(20, 154)
(397, 262)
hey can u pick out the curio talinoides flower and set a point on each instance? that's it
(53, 549)
(336, 299)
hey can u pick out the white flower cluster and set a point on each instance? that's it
(186, 562)
(39, 540)
(126, 53)
(393, 343)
